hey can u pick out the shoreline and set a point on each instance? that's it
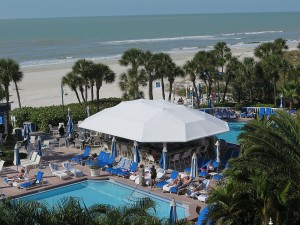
(41, 85)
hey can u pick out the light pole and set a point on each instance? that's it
(62, 99)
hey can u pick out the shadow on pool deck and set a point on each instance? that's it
(65, 154)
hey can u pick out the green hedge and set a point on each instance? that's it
(43, 116)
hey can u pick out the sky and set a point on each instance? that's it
(11, 9)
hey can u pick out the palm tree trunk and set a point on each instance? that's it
(82, 95)
(77, 95)
(98, 96)
(163, 88)
(170, 91)
(225, 89)
(18, 94)
(196, 93)
(86, 91)
(6, 116)
(92, 92)
(274, 89)
(150, 86)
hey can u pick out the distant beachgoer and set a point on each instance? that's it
(61, 131)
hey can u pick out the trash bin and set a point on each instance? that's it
(32, 126)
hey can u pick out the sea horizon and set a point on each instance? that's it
(46, 41)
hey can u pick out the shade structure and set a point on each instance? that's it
(163, 161)
(154, 121)
(218, 151)
(114, 153)
(17, 160)
(136, 155)
(39, 142)
(194, 167)
(70, 126)
(173, 213)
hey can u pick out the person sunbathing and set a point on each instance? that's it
(175, 183)
(186, 182)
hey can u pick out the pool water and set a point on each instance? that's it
(235, 131)
(106, 192)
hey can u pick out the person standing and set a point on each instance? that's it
(153, 175)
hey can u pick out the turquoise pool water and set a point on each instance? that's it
(106, 192)
(235, 131)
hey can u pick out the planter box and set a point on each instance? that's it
(95, 172)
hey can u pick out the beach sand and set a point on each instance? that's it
(41, 84)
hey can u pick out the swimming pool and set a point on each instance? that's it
(235, 131)
(106, 192)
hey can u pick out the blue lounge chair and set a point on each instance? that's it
(201, 162)
(261, 112)
(132, 169)
(203, 217)
(104, 160)
(205, 173)
(119, 165)
(29, 184)
(173, 176)
(100, 158)
(178, 190)
(109, 163)
(126, 167)
(78, 159)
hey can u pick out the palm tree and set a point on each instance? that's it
(130, 83)
(148, 61)
(72, 81)
(16, 76)
(83, 68)
(290, 91)
(232, 69)
(131, 57)
(162, 62)
(102, 73)
(190, 68)
(249, 70)
(264, 180)
(173, 72)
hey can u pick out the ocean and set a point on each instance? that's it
(59, 40)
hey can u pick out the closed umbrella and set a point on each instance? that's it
(26, 136)
(194, 167)
(88, 111)
(70, 126)
(39, 141)
(163, 161)
(136, 152)
(114, 148)
(217, 151)
(17, 160)
(173, 213)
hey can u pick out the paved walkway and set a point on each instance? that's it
(65, 154)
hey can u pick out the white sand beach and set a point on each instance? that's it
(41, 84)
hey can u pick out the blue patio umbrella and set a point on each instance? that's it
(163, 161)
(173, 213)
(70, 126)
(17, 160)
(194, 167)
(114, 152)
(39, 141)
(136, 152)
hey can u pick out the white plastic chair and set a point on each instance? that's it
(176, 158)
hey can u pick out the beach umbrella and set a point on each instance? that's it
(194, 167)
(163, 161)
(39, 141)
(17, 160)
(217, 151)
(173, 213)
(88, 111)
(70, 126)
(136, 154)
(114, 148)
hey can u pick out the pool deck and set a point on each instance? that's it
(65, 154)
